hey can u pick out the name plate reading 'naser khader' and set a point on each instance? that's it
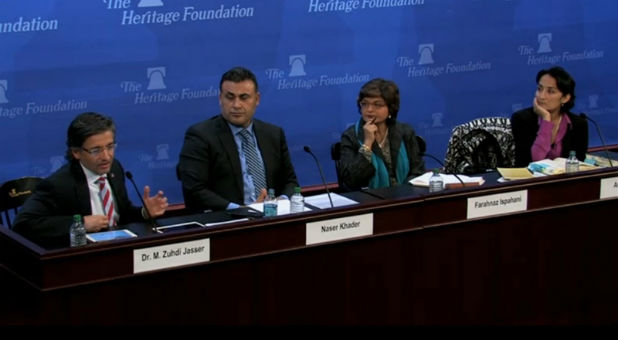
(171, 255)
(503, 203)
(339, 228)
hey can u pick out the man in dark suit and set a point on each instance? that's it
(77, 187)
(231, 159)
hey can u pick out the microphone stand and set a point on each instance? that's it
(442, 164)
(149, 218)
(308, 150)
(601, 136)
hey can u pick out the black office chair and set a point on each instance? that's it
(422, 145)
(480, 145)
(13, 194)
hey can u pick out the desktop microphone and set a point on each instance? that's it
(149, 218)
(583, 115)
(442, 164)
(308, 150)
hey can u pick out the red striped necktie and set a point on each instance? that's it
(106, 199)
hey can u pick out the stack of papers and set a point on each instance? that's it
(556, 166)
(515, 173)
(548, 166)
(450, 181)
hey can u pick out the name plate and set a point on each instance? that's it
(339, 228)
(171, 255)
(497, 204)
(609, 187)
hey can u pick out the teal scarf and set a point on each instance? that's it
(381, 178)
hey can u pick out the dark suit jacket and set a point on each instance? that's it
(209, 165)
(357, 171)
(46, 216)
(525, 125)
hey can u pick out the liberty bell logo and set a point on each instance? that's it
(544, 43)
(163, 152)
(425, 53)
(297, 65)
(150, 3)
(155, 76)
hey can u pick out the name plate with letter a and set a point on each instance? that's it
(609, 187)
(339, 228)
(171, 255)
(497, 204)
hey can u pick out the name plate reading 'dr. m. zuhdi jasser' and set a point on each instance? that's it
(339, 228)
(503, 203)
(171, 255)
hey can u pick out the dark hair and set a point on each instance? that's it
(564, 81)
(238, 74)
(85, 125)
(387, 90)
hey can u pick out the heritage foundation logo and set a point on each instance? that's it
(152, 12)
(427, 67)
(160, 160)
(297, 77)
(543, 53)
(156, 87)
(34, 107)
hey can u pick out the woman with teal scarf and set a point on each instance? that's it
(378, 151)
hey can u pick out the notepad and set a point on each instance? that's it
(515, 173)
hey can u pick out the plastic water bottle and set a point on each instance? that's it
(572, 163)
(270, 203)
(297, 201)
(436, 183)
(77, 232)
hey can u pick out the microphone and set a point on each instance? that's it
(583, 115)
(451, 186)
(308, 150)
(149, 218)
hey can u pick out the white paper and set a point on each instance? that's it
(423, 180)
(321, 201)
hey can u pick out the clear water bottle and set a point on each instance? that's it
(572, 163)
(436, 183)
(297, 201)
(270, 203)
(77, 232)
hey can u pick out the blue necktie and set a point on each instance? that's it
(255, 167)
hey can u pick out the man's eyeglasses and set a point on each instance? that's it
(98, 150)
(377, 105)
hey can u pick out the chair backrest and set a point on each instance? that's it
(13, 194)
(335, 155)
(480, 145)
(422, 145)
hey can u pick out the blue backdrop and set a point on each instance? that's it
(155, 65)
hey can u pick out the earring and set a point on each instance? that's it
(389, 116)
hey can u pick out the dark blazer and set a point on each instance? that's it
(525, 125)
(46, 216)
(209, 164)
(357, 171)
